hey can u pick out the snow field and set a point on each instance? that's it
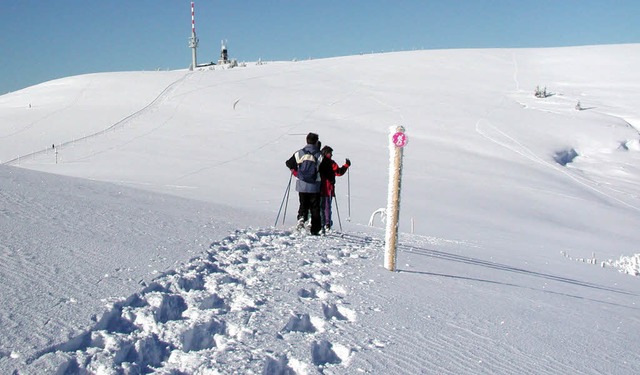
(499, 184)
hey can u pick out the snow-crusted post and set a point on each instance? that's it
(397, 140)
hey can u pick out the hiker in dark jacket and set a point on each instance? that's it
(304, 164)
(329, 169)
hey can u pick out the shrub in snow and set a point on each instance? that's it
(541, 93)
(383, 216)
(629, 265)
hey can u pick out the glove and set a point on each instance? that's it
(347, 162)
(294, 172)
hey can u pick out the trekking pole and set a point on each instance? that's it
(338, 212)
(348, 195)
(286, 203)
(285, 197)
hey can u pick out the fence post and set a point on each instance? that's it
(397, 140)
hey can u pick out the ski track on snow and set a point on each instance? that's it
(504, 140)
(120, 124)
(288, 128)
(29, 125)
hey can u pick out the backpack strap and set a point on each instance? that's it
(308, 165)
(306, 155)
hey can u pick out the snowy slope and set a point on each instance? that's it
(69, 246)
(525, 213)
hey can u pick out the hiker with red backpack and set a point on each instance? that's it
(329, 169)
(304, 164)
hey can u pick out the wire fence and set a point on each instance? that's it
(115, 126)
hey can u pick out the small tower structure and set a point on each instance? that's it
(193, 40)
(224, 54)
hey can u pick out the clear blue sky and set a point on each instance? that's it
(42, 40)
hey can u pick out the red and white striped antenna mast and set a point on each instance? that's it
(193, 40)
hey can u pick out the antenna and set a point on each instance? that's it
(224, 56)
(193, 40)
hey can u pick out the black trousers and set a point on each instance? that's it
(310, 203)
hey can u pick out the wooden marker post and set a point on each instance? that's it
(397, 140)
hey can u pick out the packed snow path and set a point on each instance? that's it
(215, 311)
(277, 302)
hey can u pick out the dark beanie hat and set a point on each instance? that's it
(312, 138)
(327, 150)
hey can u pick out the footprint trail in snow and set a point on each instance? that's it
(267, 302)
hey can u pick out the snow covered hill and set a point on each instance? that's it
(159, 253)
